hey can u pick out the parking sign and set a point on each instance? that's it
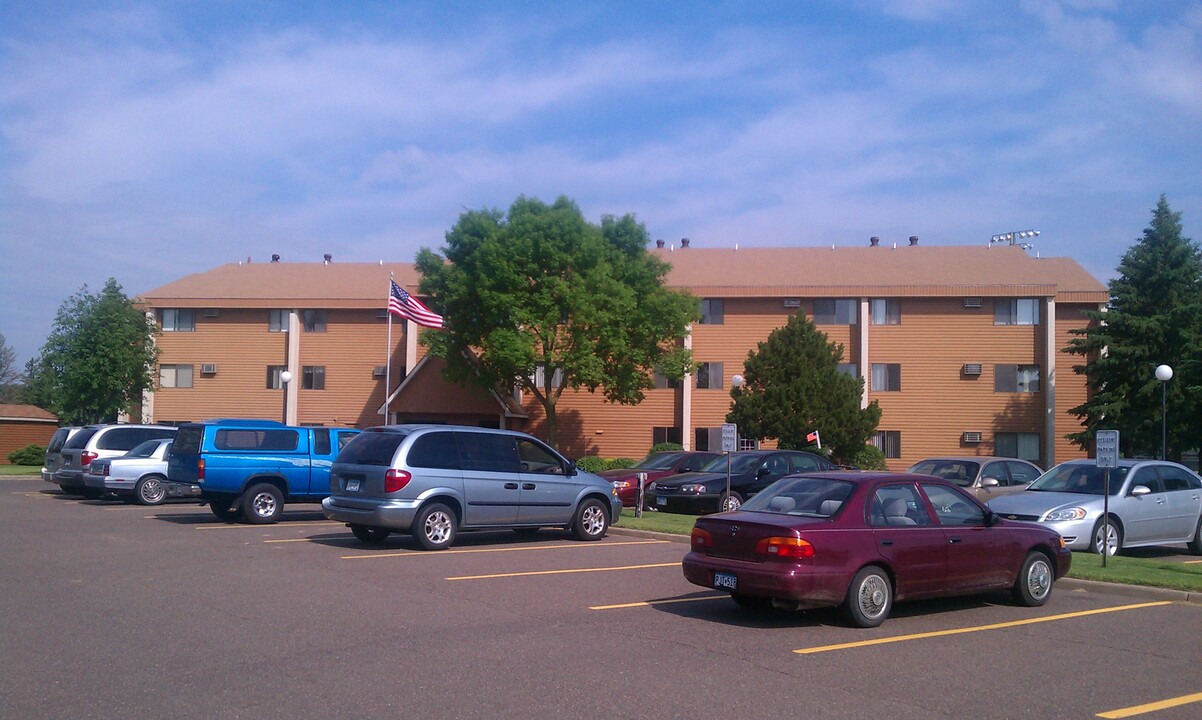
(730, 437)
(1107, 448)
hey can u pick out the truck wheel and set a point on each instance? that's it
(434, 527)
(150, 490)
(262, 504)
(370, 535)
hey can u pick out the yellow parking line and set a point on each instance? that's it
(652, 603)
(563, 572)
(958, 631)
(1152, 707)
(440, 553)
(263, 527)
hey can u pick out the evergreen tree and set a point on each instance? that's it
(99, 357)
(1154, 317)
(10, 376)
(793, 386)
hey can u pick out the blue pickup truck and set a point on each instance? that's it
(250, 468)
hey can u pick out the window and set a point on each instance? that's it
(888, 442)
(273, 377)
(1021, 473)
(313, 377)
(179, 320)
(886, 377)
(277, 321)
(1018, 311)
(434, 450)
(488, 452)
(540, 376)
(256, 439)
(712, 312)
(702, 437)
(315, 321)
(709, 376)
(665, 435)
(953, 509)
(663, 382)
(850, 369)
(1024, 446)
(835, 312)
(1016, 378)
(885, 312)
(1176, 478)
(538, 459)
(175, 376)
(898, 505)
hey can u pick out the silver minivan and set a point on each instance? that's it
(92, 442)
(54, 451)
(433, 481)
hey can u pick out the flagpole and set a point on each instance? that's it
(388, 351)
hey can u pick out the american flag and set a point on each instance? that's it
(405, 305)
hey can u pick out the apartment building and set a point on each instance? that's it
(961, 346)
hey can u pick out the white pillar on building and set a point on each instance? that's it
(292, 365)
(148, 394)
(686, 398)
(862, 366)
(1049, 387)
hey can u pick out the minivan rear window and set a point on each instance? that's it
(56, 442)
(371, 448)
(81, 438)
(240, 439)
(127, 438)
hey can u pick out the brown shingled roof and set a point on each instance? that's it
(26, 412)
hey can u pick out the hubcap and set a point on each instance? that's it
(873, 596)
(1112, 540)
(592, 520)
(152, 491)
(1039, 580)
(264, 504)
(438, 527)
(731, 503)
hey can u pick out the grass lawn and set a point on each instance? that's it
(20, 470)
(1086, 566)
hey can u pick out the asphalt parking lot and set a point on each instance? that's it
(121, 611)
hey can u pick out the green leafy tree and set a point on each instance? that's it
(10, 375)
(542, 288)
(98, 359)
(1154, 317)
(793, 386)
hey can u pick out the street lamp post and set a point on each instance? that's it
(285, 378)
(1164, 374)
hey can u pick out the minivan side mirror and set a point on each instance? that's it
(570, 470)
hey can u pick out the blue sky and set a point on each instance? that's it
(146, 141)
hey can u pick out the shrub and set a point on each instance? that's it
(591, 463)
(666, 447)
(619, 463)
(28, 455)
(870, 457)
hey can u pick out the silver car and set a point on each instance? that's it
(139, 475)
(432, 481)
(97, 442)
(983, 476)
(1152, 502)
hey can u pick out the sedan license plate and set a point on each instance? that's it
(725, 581)
(352, 486)
(661, 500)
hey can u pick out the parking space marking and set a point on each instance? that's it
(564, 572)
(653, 603)
(439, 553)
(271, 525)
(304, 539)
(960, 631)
(1152, 707)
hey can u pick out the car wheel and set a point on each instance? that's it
(262, 504)
(1033, 586)
(591, 521)
(730, 502)
(222, 511)
(1113, 542)
(751, 602)
(370, 535)
(1195, 545)
(869, 598)
(434, 527)
(150, 490)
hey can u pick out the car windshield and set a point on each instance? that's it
(807, 496)
(144, 450)
(961, 472)
(739, 463)
(1080, 478)
(659, 461)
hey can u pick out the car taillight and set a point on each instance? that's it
(701, 538)
(789, 547)
(200, 470)
(86, 457)
(395, 480)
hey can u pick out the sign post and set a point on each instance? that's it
(730, 441)
(1107, 452)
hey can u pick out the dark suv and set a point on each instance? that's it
(750, 472)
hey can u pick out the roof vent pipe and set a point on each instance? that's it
(328, 258)
(684, 242)
(874, 241)
(913, 240)
(275, 257)
(659, 243)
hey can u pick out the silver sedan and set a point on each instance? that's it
(1152, 502)
(139, 475)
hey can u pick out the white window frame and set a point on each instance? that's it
(176, 376)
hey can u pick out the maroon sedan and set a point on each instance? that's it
(656, 465)
(863, 540)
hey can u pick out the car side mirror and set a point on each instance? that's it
(762, 471)
(991, 518)
(1140, 490)
(570, 470)
(990, 482)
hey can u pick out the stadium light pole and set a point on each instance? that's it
(1164, 374)
(1017, 237)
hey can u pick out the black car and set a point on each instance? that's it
(750, 471)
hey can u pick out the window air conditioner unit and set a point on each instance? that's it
(972, 436)
(378, 371)
(210, 312)
(208, 369)
(792, 302)
(972, 368)
(972, 302)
